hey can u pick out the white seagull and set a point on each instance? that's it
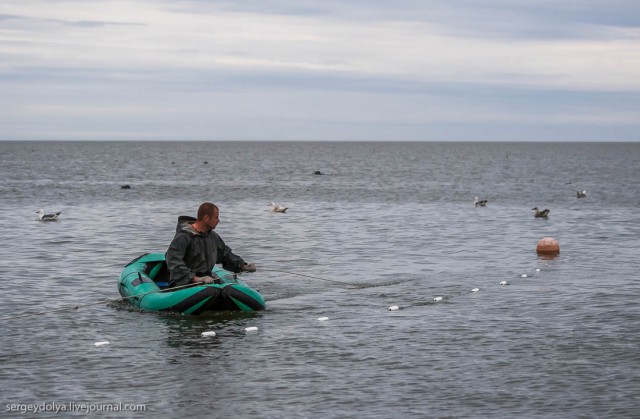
(47, 217)
(277, 207)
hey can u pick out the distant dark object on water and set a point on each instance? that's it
(480, 203)
(125, 187)
(206, 162)
(173, 162)
(318, 172)
(540, 214)
(582, 194)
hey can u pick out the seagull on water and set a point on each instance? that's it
(582, 194)
(480, 203)
(277, 207)
(47, 217)
(540, 214)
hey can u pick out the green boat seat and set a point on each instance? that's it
(159, 273)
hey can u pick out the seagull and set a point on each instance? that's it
(47, 217)
(479, 203)
(582, 194)
(540, 214)
(277, 207)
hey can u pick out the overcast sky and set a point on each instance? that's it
(402, 70)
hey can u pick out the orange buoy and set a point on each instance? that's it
(548, 245)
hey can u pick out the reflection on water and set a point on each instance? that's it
(548, 256)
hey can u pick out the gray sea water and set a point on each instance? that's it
(394, 220)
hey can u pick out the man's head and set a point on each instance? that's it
(208, 215)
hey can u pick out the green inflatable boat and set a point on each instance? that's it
(144, 284)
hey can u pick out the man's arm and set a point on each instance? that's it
(229, 260)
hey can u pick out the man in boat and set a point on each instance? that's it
(196, 248)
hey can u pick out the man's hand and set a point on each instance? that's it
(203, 279)
(248, 267)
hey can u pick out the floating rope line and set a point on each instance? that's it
(347, 284)
(310, 276)
(116, 300)
(447, 297)
(104, 301)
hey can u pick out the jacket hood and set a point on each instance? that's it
(184, 224)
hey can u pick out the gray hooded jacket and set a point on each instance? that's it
(194, 254)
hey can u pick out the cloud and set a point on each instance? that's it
(156, 37)
(313, 63)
